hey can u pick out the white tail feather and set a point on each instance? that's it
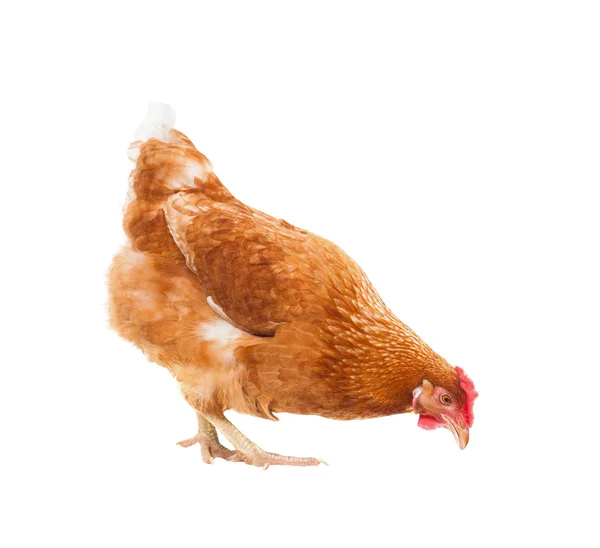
(159, 120)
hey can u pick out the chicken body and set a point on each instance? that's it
(251, 313)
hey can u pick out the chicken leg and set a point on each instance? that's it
(251, 453)
(210, 446)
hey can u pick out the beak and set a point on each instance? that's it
(460, 432)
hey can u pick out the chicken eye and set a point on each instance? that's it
(446, 399)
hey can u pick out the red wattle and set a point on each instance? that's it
(427, 422)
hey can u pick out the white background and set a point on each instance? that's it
(450, 147)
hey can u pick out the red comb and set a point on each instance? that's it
(470, 394)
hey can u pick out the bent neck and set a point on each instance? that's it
(386, 362)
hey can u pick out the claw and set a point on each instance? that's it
(245, 450)
(189, 442)
(263, 460)
(210, 449)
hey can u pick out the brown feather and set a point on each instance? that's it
(315, 336)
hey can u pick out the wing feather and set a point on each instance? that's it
(261, 271)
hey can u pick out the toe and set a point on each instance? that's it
(264, 460)
(235, 457)
(189, 442)
(207, 456)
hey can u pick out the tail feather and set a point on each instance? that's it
(158, 122)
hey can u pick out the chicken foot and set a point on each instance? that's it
(250, 453)
(210, 446)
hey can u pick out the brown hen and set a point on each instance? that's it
(253, 314)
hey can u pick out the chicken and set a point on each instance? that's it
(253, 314)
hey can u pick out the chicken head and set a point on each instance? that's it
(449, 407)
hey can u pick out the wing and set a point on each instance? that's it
(261, 271)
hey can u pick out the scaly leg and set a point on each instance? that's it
(250, 453)
(210, 446)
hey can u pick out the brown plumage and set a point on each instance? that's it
(253, 314)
